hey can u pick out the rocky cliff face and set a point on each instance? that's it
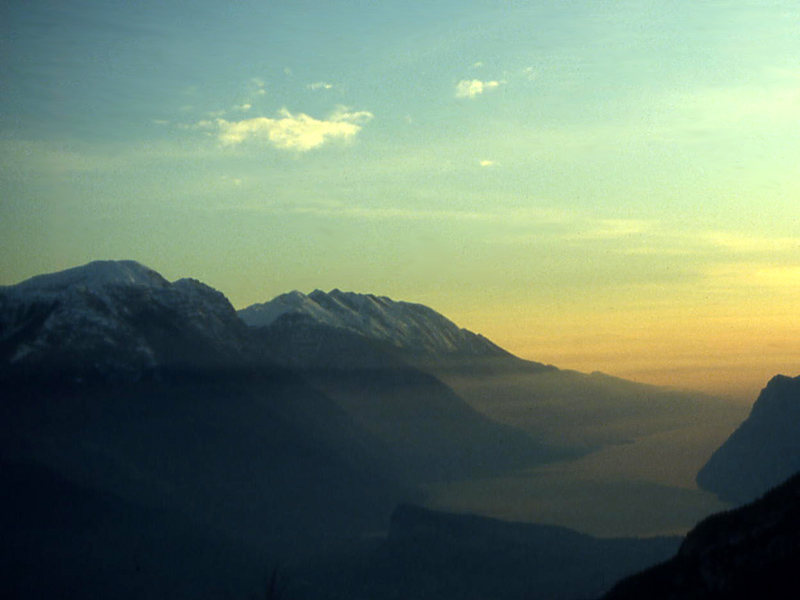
(763, 451)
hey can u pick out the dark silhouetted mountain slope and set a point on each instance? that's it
(431, 554)
(155, 392)
(65, 540)
(750, 552)
(763, 451)
(432, 434)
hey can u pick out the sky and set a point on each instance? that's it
(599, 185)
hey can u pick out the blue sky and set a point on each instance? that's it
(601, 185)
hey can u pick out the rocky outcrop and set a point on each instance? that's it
(763, 451)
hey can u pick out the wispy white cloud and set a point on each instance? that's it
(243, 107)
(320, 85)
(472, 88)
(299, 132)
(487, 163)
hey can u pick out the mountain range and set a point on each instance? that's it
(287, 430)
(568, 411)
(152, 396)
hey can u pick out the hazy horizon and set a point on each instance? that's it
(595, 185)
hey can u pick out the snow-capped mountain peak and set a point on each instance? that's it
(405, 325)
(92, 276)
(108, 317)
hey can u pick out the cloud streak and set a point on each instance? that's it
(472, 88)
(298, 132)
(319, 85)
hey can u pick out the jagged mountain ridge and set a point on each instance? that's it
(198, 326)
(561, 407)
(763, 451)
(411, 327)
(364, 351)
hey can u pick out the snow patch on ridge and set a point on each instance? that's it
(105, 310)
(405, 325)
(92, 276)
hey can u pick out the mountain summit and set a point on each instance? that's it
(93, 275)
(404, 325)
(115, 319)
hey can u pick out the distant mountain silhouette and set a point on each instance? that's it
(763, 451)
(433, 554)
(750, 552)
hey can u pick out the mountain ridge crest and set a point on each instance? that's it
(405, 325)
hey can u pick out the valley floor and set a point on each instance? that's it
(643, 488)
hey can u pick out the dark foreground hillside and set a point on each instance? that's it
(61, 539)
(431, 554)
(750, 552)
